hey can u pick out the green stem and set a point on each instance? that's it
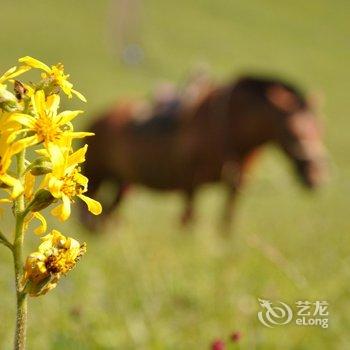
(5, 241)
(21, 318)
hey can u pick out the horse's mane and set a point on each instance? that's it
(260, 85)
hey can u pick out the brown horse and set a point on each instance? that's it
(182, 146)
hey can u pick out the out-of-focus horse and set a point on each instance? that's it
(182, 145)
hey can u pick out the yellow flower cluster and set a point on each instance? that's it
(56, 256)
(30, 119)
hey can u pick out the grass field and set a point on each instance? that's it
(147, 284)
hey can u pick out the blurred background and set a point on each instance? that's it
(147, 283)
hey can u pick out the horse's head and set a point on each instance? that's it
(299, 133)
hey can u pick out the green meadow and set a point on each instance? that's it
(145, 282)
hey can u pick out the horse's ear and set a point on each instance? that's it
(282, 99)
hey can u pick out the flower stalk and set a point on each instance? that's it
(30, 119)
(21, 312)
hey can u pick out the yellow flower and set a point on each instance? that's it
(66, 182)
(46, 124)
(54, 75)
(56, 256)
(7, 151)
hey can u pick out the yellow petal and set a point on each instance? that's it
(52, 103)
(13, 72)
(66, 86)
(24, 143)
(24, 119)
(16, 185)
(93, 206)
(79, 95)
(57, 211)
(5, 200)
(55, 185)
(81, 180)
(42, 152)
(7, 73)
(62, 211)
(38, 101)
(78, 134)
(67, 116)
(57, 158)
(43, 226)
(77, 157)
(29, 182)
(6, 159)
(66, 208)
(32, 62)
(15, 134)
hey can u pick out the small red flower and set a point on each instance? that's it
(236, 336)
(218, 345)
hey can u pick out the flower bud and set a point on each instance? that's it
(41, 200)
(40, 166)
(8, 100)
(41, 287)
(56, 256)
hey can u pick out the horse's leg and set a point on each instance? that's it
(233, 175)
(187, 215)
(232, 178)
(92, 222)
(229, 206)
(122, 188)
(95, 223)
